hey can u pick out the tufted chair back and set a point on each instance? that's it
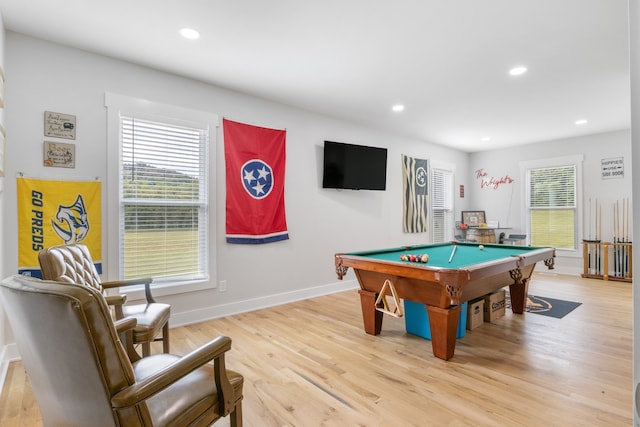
(70, 264)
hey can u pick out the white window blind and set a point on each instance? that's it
(163, 200)
(552, 206)
(442, 210)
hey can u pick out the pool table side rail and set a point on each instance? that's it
(427, 272)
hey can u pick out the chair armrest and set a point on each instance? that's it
(168, 375)
(116, 299)
(146, 281)
(126, 324)
(126, 282)
(124, 328)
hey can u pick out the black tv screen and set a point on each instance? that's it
(354, 167)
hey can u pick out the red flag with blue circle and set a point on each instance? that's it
(255, 161)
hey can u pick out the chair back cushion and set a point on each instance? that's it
(70, 350)
(69, 264)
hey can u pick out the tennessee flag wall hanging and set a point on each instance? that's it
(255, 166)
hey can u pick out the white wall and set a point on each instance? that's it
(507, 201)
(49, 77)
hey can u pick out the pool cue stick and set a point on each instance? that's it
(616, 221)
(627, 238)
(589, 218)
(592, 251)
(600, 248)
(589, 244)
(620, 238)
(597, 237)
(623, 249)
(453, 252)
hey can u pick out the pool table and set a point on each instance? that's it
(448, 278)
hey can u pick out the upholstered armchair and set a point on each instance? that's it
(81, 375)
(73, 264)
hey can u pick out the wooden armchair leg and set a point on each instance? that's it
(165, 338)
(235, 417)
(146, 349)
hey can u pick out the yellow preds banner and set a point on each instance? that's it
(53, 213)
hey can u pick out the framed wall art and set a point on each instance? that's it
(59, 125)
(59, 154)
(473, 218)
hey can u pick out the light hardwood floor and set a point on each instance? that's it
(309, 363)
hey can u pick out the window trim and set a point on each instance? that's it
(448, 167)
(116, 106)
(575, 160)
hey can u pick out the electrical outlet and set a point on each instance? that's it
(223, 286)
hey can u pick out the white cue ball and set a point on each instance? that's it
(481, 247)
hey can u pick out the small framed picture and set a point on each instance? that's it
(473, 218)
(59, 125)
(59, 154)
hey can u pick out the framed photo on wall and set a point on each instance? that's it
(473, 218)
(58, 154)
(59, 125)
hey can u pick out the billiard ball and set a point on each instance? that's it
(481, 247)
(424, 258)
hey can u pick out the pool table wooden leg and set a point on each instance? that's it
(444, 325)
(372, 318)
(518, 292)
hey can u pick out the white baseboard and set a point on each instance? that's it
(201, 315)
(8, 354)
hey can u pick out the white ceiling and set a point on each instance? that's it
(445, 60)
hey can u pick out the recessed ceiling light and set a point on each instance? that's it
(485, 139)
(517, 71)
(582, 122)
(189, 33)
(398, 108)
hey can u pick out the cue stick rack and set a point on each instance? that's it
(609, 260)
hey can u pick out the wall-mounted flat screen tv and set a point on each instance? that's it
(354, 167)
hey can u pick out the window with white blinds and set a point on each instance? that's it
(552, 206)
(442, 209)
(163, 200)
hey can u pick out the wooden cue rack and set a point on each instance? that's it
(608, 260)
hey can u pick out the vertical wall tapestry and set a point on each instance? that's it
(52, 212)
(255, 160)
(415, 189)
